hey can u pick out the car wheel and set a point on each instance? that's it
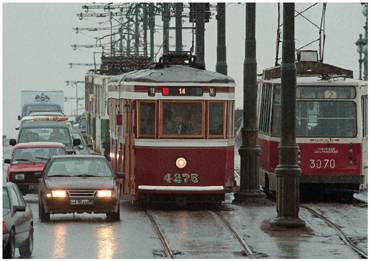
(26, 250)
(114, 216)
(44, 217)
(9, 251)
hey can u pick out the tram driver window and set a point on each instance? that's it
(216, 119)
(147, 119)
(182, 119)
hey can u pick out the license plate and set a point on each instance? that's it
(81, 202)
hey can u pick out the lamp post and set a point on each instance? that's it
(364, 12)
(360, 49)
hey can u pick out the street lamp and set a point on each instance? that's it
(364, 12)
(360, 43)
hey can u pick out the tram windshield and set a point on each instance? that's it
(182, 118)
(319, 118)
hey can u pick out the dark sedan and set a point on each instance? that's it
(17, 223)
(78, 184)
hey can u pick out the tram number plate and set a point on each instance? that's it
(181, 178)
(322, 163)
(81, 202)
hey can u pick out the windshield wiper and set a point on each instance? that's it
(43, 158)
(22, 160)
(85, 175)
(59, 175)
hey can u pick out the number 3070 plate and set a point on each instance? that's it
(81, 202)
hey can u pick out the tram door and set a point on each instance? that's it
(129, 160)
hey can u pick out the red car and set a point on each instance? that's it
(28, 161)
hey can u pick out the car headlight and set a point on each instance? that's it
(104, 194)
(58, 194)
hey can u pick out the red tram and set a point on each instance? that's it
(172, 132)
(331, 127)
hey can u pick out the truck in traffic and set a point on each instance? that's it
(41, 101)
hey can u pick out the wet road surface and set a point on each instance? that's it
(198, 232)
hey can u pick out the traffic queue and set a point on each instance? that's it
(51, 158)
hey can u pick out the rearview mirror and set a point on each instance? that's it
(19, 117)
(12, 142)
(76, 142)
(17, 128)
(120, 175)
(19, 208)
(7, 161)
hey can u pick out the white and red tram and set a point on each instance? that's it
(172, 133)
(331, 127)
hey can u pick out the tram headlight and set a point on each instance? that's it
(181, 162)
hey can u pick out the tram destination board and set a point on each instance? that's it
(182, 91)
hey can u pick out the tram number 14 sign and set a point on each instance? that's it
(181, 178)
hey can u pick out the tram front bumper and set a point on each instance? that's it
(333, 179)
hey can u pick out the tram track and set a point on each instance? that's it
(166, 246)
(348, 241)
(246, 249)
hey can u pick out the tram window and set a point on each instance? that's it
(181, 119)
(216, 118)
(230, 119)
(326, 119)
(276, 107)
(146, 119)
(264, 122)
(364, 115)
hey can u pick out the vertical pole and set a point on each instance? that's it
(199, 33)
(166, 24)
(120, 34)
(76, 100)
(151, 29)
(221, 65)
(145, 29)
(128, 39)
(111, 33)
(179, 9)
(288, 170)
(136, 29)
(365, 12)
(249, 150)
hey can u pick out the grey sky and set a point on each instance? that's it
(37, 39)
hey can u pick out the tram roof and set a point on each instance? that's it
(175, 74)
(318, 80)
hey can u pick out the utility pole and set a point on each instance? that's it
(249, 150)
(74, 83)
(145, 29)
(199, 32)
(178, 12)
(128, 39)
(151, 29)
(137, 30)
(221, 65)
(365, 13)
(288, 171)
(166, 24)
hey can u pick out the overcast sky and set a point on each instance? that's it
(37, 48)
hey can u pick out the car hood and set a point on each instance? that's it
(27, 167)
(79, 182)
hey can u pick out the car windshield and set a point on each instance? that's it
(79, 167)
(22, 155)
(40, 108)
(6, 203)
(54, 134)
